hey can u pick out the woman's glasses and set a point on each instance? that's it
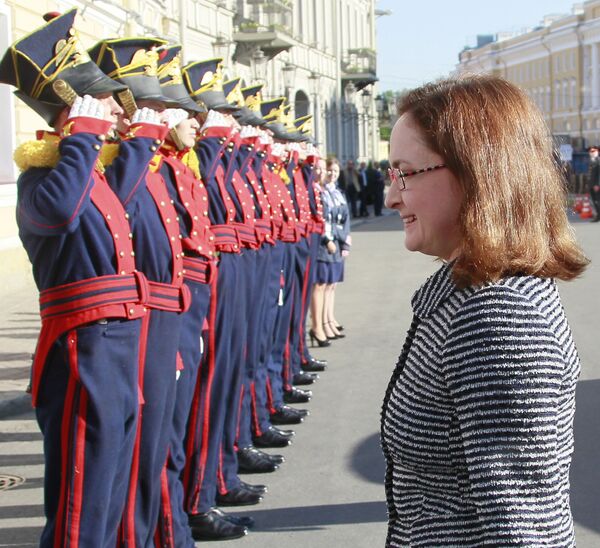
(398, 176)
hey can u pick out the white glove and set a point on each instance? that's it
(248, 131)
(87, 106)
(215, 119)
(294, 146)
(264, 137)
(174, 116)
(277, 149)
(146, 116)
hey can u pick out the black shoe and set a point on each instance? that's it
(313, 365)
(296, 395)
(253, 461)
(238, 496)
(244, 521)
(288, 415)
(213, 525)
(257, 488)
(320, 342)
(272, 437)
(304, 378)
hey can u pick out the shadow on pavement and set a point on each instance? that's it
(15, 356)
(317, 517)
(21, 537)
(367, 460)
(585, 472)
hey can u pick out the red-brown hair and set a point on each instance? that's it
(496, 143)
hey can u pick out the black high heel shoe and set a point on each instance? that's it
(339, 327)
(320, 342)
(335, 335)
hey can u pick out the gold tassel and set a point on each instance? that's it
(190, 159)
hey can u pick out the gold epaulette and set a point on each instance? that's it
(38, 153)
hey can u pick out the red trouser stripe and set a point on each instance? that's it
(210, 363)
(220, 479)
(129, 517)
(256, 423)
(165, 530)
(60, 537)
(239, 414)
(79, 470)
(270, 397)
(304, 312)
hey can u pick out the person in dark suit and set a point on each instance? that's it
(350, 185)
(364, 192)
(594, 181)
(375, 186)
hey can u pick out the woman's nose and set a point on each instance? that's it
(393, 196)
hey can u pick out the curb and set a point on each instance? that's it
(15, 405)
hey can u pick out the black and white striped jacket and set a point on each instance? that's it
(477, 421)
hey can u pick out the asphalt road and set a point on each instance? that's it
(329, 492)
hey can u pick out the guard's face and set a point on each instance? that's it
(112, 110)
(187, 131)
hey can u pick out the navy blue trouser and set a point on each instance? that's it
(215, 380)
(190, 351)
(278, 364)
(301, 296)
(256, 329)
(88, 411)
(159, 343)
(244, 315)
(315, 242)
(273, 289)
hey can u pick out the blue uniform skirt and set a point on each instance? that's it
(330, 273)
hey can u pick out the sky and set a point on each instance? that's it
(421, 40)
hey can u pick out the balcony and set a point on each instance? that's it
(269, 28)
(359, 66)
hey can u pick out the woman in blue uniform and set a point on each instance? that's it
(335, 245)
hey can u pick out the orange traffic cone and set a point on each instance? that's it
(586, 211)
(578, 205)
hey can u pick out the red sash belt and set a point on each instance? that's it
(169, 297)
(199, 269)
(226, 238)
(289, 233)
(248, 235)
(68, 306)
(264, 230)
(72, 305)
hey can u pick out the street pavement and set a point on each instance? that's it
(329, 492)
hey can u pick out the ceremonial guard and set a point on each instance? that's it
(158, 253)
(220, 375)
(85, 383)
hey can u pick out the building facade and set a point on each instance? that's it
(557, 64)
(320, 54)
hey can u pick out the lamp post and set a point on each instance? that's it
(289, 77)
(258, 66)
(221, 47)
(313, 86)
(348, 115)
(366, 104)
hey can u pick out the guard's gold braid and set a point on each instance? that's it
(190, 159)
(64, 63)
(64, 91)
(128, 101)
